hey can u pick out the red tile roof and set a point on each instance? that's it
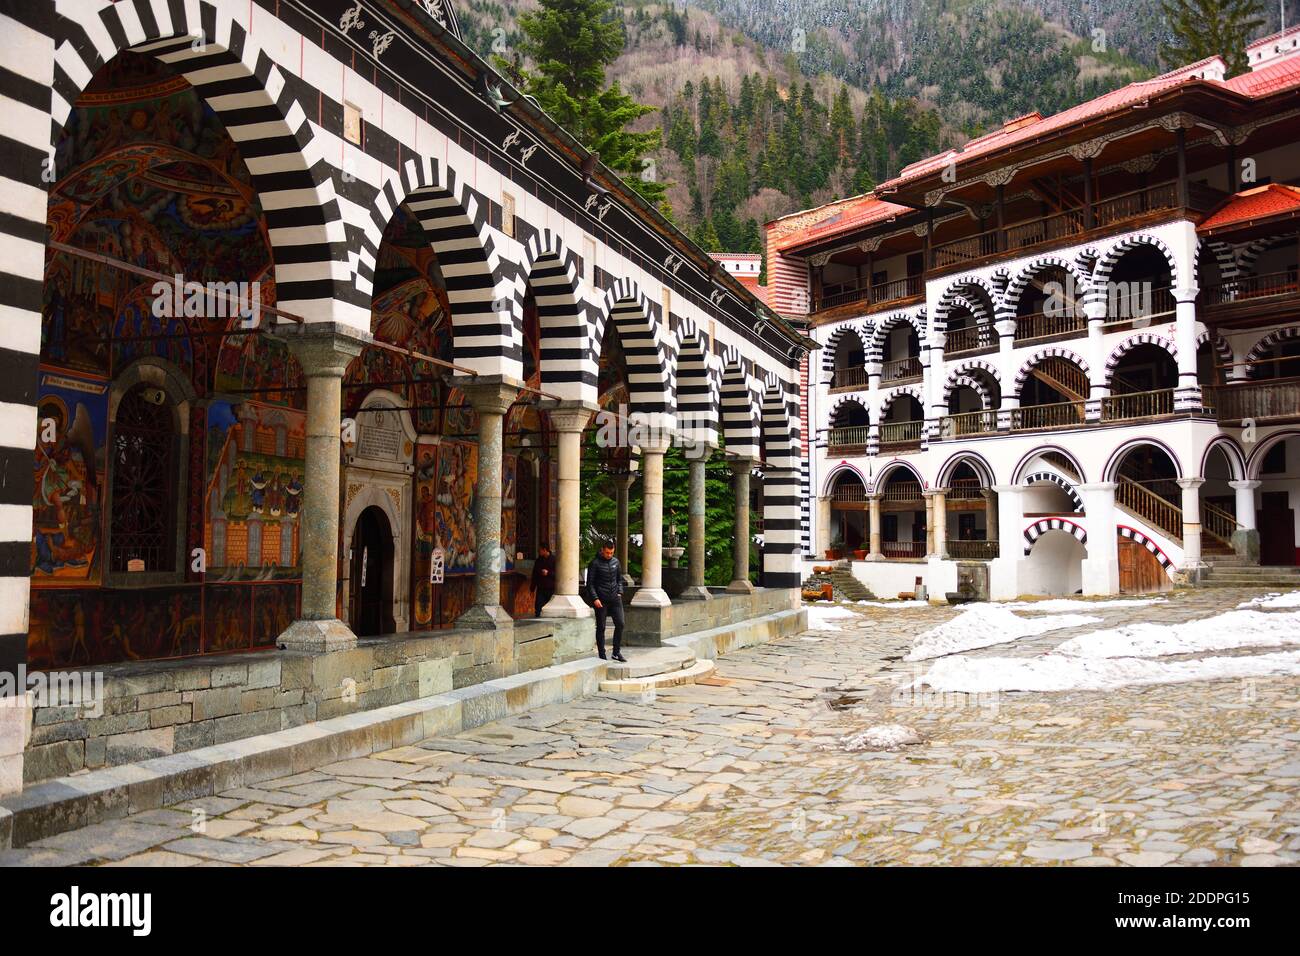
(853, 214)
(1269, 79)
(1261, 202)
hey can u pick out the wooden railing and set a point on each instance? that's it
(1158, 511)
(1252, 287)
(1217, 523)
(900, 370)
(1054, 415)
(1041, 325)
(849, 436)
(900, 433)
(1057, 226)
(849, 492)
(903, 549)
(969, 423)
(971, 337)
(1128, 303)
(965, 489)
(964, 250)
(901, 491)
(973, 550)
(1119, 408)
(842, 292)
(1271, 398)
(1130, 205)
(850, 376)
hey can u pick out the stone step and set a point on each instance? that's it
(646, 662)
(640, 685)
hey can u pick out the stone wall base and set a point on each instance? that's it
(648, 626)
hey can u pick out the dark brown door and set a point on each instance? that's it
(372, 574)
(1139, 570)
(1276, 523)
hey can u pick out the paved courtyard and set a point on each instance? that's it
(751, 769)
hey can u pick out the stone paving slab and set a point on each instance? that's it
(752, 770)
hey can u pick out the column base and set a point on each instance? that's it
(696, 593)
(485, 617)
(1245, 541)
(318, 637)
(740, 586)
(874, 556)
(650, 597)
(566, 605)
(628, 582)
(15, 733)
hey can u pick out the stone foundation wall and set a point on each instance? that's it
(166, 707)
(652, 626)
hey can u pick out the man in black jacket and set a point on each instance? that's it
(543, 578)
(605, 591)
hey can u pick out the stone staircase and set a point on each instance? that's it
(649, 669)
(843, 584)
(1230, 571)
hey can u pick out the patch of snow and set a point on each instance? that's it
(881, 737)
(1221, 632)
(1273, 600)
(1058, 672)
(820, 615)
(1070, 604)
(983, 625)
(894, 604)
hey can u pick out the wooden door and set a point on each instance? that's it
(1276, 523)
(1139, 570)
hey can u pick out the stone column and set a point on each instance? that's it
(929, 522)
(1187, 396)
(1101, 566)
(324, 351)
(740, 583)
(491, 396)
(697, 591)
(1004, 570)
(1098, 389)
(1006, 329)
(990, 515)
(1245, 540)
(623, 484)
(1191, 523)
(940, 500)
(651, 592)
(568, 419)
(873, 505)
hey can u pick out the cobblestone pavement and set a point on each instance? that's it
(750, 769)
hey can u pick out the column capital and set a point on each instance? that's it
(699, 454)
(656, 445)
(1186, 294)
(1188, 484)
(1098, 486)
(742, 465)
(568, 416)
(323, 349)
(1250, 485)
(493, 394)
(1007, 489)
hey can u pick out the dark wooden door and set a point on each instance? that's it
(1139, 570)
(1276, 523)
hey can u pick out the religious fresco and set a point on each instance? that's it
(426, 534)
(457, 473)
(509, 508)
(67, 528)
(72, 628)
(256, 462)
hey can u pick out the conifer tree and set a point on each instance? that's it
(1202, 28)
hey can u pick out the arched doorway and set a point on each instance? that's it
(372, 574)
(1054, 566)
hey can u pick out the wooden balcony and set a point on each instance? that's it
(848, 378)
(1269, 298)
(1129, 305)
(1055, 415)
(1050, 325)
(1113, 214)
(972, 338)
(972, 550)
(908, 492)
(965, 489)
(968, 423)
(895, 436)
(882, 294)
(903, 549)
(848, 440)
(1266, 400)
(849, 494)
(902, 370)
(1119, 408)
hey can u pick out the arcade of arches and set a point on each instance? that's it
(173, 480)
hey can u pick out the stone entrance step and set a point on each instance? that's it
(646, 662)
(639, 685)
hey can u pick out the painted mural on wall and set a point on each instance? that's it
(67, 520)
(256, 462)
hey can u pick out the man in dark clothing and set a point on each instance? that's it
(605, 591)
(543, 578)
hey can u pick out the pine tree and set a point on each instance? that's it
(571, 44)
(1202, 28)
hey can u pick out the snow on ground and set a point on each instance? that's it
(1221, 632)
(1070, 604)
(1057, 672)
(1273, 600)
(983, 625)
(896, 605)
(881, 737)
(820, 616)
